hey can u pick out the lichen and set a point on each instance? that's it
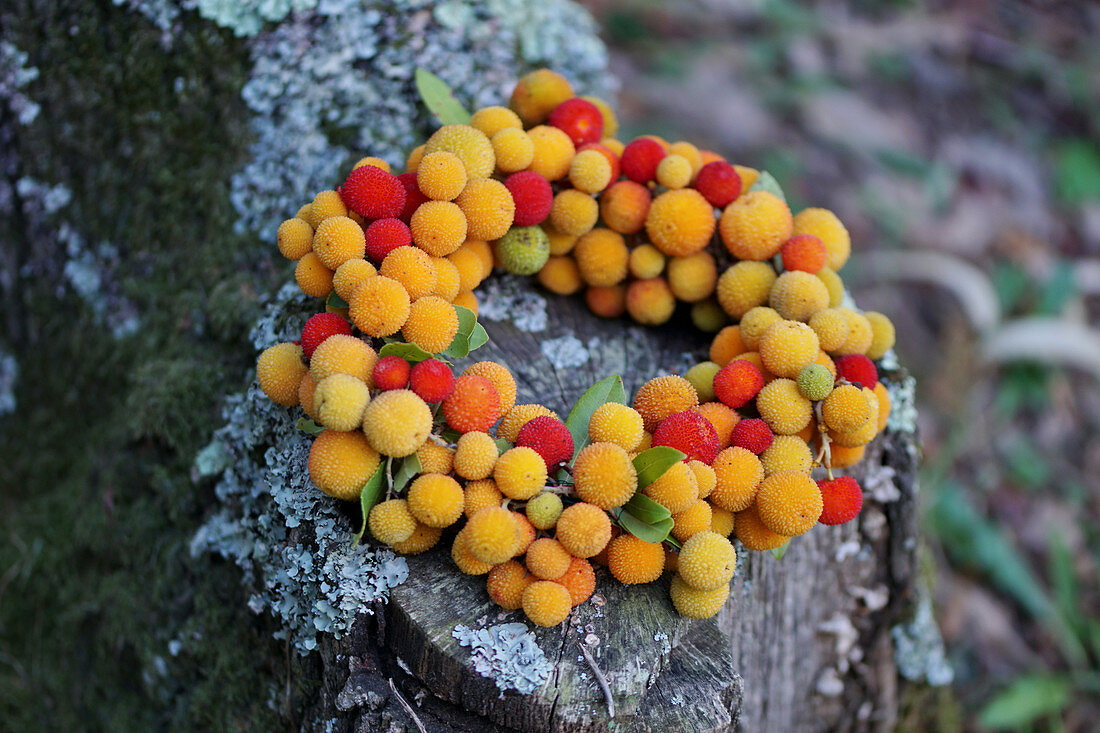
(508, 654)
(918, 647)
(564, 352)
(903, 403)
(510, 298)
(15, 75)
(9, 373)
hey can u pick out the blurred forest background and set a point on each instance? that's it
(959, 141)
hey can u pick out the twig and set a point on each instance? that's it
(601, 679)
(408, 708)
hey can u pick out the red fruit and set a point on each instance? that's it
(532, 195)
(472, 405)
(842, 500)
(737, 382)
(320, 327)
(384, 236)
(718, 182)
(548, 437)
(690, 433)
(413, 196)
(858, 370)
(579, 119)
(390, 372)
(616, 167)
(804, 252)
(752, 434)
(640, 159)
(431, 380)
(373, 193)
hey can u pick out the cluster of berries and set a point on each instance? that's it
(791, 386)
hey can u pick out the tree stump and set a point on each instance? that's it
(804, 642)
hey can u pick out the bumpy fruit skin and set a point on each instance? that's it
(660, 397)
(514, 149)
(351, 275)
(337, 240)
(604, 475)
(744, 286)
(279, 370)
(721, 520)
(691, 521)
(727, 345)
(841, 500)
(602, 257)
(688, 152)
(722, 417)
(825, 225)
(694, 603)
(738, 473)
(343, 354)
(373, 193)
(719, 183)
(467, 300)
(492, 120)
(376, 162)
(884, 405)
(815, 382)
(473, 404)
(579, 119)
(860, 334)
(390, 521)
(438, 228)
(523, 250)
(464, 559)
(787, 346)
(546, 603)
(471, 271)
(753, 435)
(574, 212)
(798, 295)
(640, 159)
(676, 489)
(488, 208)
(548, 437)
(846, 409)
(804, 252)
(500, 377)
(560, 275)
(294, 238)
(833, 284)
(609, 155)
(650, 302)
(590, 171)
(339, 401)
(692, 278)
(737, 383)
(857, 369)
(385, 235)
(701, 377)
(481, 494)
(305, 396)
(583, 529)
(423, 539)
(547, 559)
(783, 407)
(492, 535)
(624, 206)
(520, 473)
(674, 171)
(436, 500)
(755, 226)
(755, 323)
(618, 424)
(413, 268)
(441, 176)
(413, 197)
(705, 478)
(579, 580)
(447, 280)
(312, 276)
(752, 533)
(397, 422)
(787, 453)
(537, 94)
(646, 261)
(435, 458)
(543, 510)
(882, 334)
(526, 532)
(379, 306)
(517, 417)
(680, 222)
(633, 561)
(469, 144)
(324, 205)
(707, 561)
(532, 195)
(506, 583)
(553, 152)
(475, 455)
(831, 327)
(606, 302)
(340, 463)
(431, 325)
(690, 433)
(789, 503)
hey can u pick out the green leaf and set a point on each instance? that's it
(502, 445)
(1077, 170)
(779, 552)
(479, 337)
(674, 542)
(645, 509)
(606, 390)
(766, 182)
(369, 496)
(450, 435)
(335, 301)
(409, 467)
(651, 464)
(439, 98)
(656, 532)
(460, 345)
(1026, 700)
(308, 426)
(409, 352)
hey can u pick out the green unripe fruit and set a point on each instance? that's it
(815, 382)
(708, 316)
(543, 511)
(701, 377)
(523, 250)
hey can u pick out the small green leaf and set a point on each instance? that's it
(335, 301)
(656, 532)
(779, 552)
(460, 345)
(606, 390)
(409, 352)
(766, 182)
(439, 98)
(1026, 700)
(674, 542)
(646, 509)
(651, 464)
(450, 435)
(308, 426)
(502, 445)
(369, 496)
(479, 337)
(409, 467)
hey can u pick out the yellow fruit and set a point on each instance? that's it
(411, 267)
(560, 275)
(303, 213)
(436, 500)
(743, 286)
(705, 478)
(833, 284)
(506, 584)
(660, 397)
(798, 295)
(722, 417)
(646, 261)
(413, 161)
(431, 325)
(467, 300)
(397, 422)
(517, 417)
(446, 279)
(423, 539)
(752, 533)
(337, 240)
(351, 275)
(831, 327)
(755, 323)
(492, 120)
(624, 206)
(553, 152)
(492, 535)
(691, 521)
(312, 276)
(326, 204)
(343, 354)
(680, 223)
(860, 333)
(694, 603)
(633, 561)
(488, 208)
(475, 455)
(884, 405)
(520, 473)
(371, 160)
(481, 494)
(602, 257)
(294, 238)
(543, 511)
(547, 559)
(882, 335)
(470, 145)
(825, 225)
(846, 410)
(604, 475)
(280, 370)
(727, 345)
(464, 559)
(787, 453)
(721, 520)
(610, 121)
(692, 278)
(707, 561)
(470, 269)
(787, 346)
(339, 401)
(589, 171)
(546, 603)
(514, 149)
(560, 244)
(674, 171)
(617, 424)
(379, 306)
(583, 529)
(789, 503)
(305, 396)
(676, 489)
(441, 176)
(688, 152)
(500, 378)
(340, 463)
(390, 521)
(537, 94)
(783, 407)
(755, 226)
(438, 228)
(526, 532)
(574, 212)
(650, 302)
(435, 458)
(738, 474)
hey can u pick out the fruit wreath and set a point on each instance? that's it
(543, 187)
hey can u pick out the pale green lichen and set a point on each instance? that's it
(508, 654)
(918, 647)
